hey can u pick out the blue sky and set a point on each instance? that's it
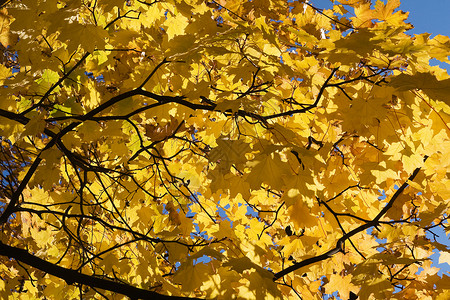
(428, 16)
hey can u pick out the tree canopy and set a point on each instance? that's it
(222, 149)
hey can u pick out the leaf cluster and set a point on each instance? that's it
(221, 149)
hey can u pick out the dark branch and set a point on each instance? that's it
(340, 243)
(72, 276)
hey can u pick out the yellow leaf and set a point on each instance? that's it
(267, 169)
(35, 126)
(293, 246)
(191, 276)
(444, 257)
(5, 73)
(436, 89)
(4, 27)
(228, 152)
(175, 25)
(47, 79)
(342, 285)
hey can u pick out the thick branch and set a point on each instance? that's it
(72, 276)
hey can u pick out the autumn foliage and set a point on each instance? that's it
(263, 149)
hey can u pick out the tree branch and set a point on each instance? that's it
(340, 243)
(72, 276)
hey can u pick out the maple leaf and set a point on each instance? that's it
(4, 28)
(265, 169)
(342, 285)
(176, 25)
(436, 89)
(229, 152)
